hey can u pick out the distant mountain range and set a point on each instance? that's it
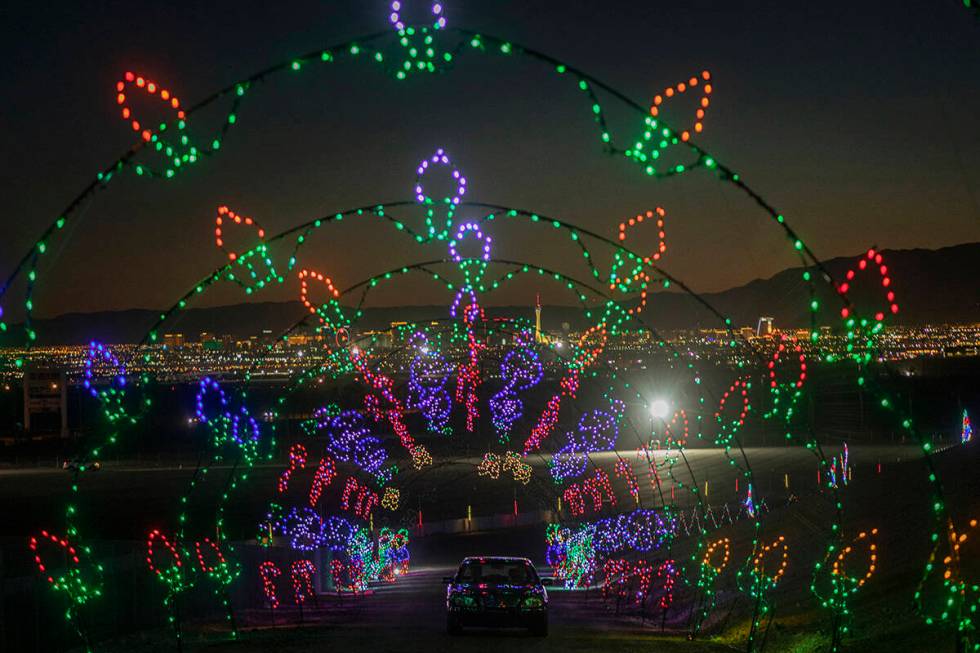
(931, 286)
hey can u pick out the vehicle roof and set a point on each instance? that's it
(497, 558)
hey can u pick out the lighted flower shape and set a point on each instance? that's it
(390, 499)
(733, 407)
(521, 370)
(862, 328)
(439, 213)
(429, 374)
(630, 273)
(81, 581)
(419, 41)
(101, 362)
(244, 267)
(489, 466)
(787, 373)
(953, 598)
(174, 146)
(657, 136)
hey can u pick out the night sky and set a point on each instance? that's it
(858, 120)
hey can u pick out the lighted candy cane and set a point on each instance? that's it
(667, 571)
(588, 349)
(521, 370)
(112, 397)
(297, 460)
(449, 203)
(468, 377)
(302, 573)
(624, 471)
(269, 572)
(228, 217)
(323, 476)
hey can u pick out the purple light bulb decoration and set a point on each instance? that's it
(521, 370)
(440, 158)
(399, 24)
(428, 375)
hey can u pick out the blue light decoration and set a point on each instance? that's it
(349, 440)
(226, 426)
(521, 370)
(597, 430)
(840, 470)
(114, 394)
(429, 374)
(966, 434)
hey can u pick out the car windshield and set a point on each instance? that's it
(508, 572)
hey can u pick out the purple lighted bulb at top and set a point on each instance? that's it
(465, 229)
(396, 20)
(439, 158)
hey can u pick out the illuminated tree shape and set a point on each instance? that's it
(248, 260)
(177, 152)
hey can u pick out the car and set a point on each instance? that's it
(497, 591)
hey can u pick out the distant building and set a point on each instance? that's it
(173, 340)
(765, 327)
(46, 402)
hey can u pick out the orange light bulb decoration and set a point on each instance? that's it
(673, 91)
(708, 561)
(638, 274)
(771, 578)
(227, 218)
(868, 540)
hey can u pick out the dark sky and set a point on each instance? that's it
(856, 119)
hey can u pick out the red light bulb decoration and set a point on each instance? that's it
(468, 377)
(588, 349)
(736, 395)
(329, 313)
(177, 153)
(173, 573)
(323, 477)
(786, 393)
(297, 460)
(269, 572)
(219, 565)
(365, 501)
(638, 274)
(668, 572)
(225, 218)
(72, 581)
(625, 471)
(131, 79)
(860, 329)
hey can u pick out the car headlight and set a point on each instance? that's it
(532, 602)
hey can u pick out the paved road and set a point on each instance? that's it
(410, 616)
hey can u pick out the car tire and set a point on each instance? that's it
(540, 628)
(453, 627)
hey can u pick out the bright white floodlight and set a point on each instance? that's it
(659, 409)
